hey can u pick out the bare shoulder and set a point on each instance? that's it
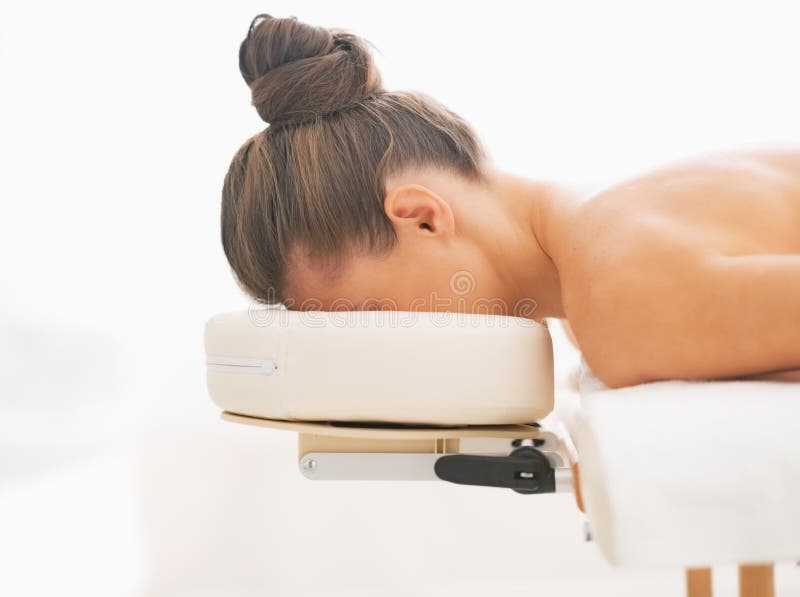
(623, 285)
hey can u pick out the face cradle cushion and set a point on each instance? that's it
(400, 367)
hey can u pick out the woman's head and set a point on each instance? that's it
(307, 195)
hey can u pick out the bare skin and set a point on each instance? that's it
(688, 271)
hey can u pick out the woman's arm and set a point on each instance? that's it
(753, 303)
(708, 317)
(734, 316)
(790, 375)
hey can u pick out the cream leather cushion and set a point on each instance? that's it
(380, 366)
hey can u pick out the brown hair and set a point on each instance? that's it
(314, 178)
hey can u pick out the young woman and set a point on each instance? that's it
(356, 197)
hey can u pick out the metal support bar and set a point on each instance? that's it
(368, 466)
(379, 466)
(564, 480)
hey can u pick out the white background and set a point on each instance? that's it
(118, 122)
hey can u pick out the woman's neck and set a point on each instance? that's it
(538, 214)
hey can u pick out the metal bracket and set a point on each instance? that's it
(526, 469)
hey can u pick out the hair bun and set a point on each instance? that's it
(297, 72)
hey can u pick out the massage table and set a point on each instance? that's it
(669, 473)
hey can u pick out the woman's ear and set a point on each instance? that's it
(416, 209)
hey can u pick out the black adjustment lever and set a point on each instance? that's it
(525, 470)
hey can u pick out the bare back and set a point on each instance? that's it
(634, 240)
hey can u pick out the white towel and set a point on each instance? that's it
(689, 473)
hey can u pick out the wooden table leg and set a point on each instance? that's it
(698, 582)
(756, 580)
(576, 486)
